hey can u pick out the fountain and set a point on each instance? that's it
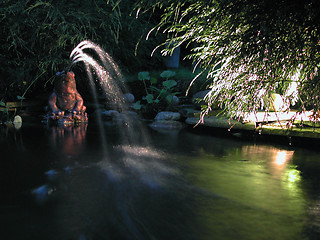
(105, 69)
(105, 73)
(65, 103)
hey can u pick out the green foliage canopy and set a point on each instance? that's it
(37, 36)
(250, 48)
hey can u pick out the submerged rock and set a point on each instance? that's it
(110, 114)
(165, 121)
(42, 194)
(168, 116)
(117, 116)
(167, 124)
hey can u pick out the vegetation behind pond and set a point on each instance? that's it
(251, 49)
(38, 36)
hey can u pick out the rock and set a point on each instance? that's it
(115, 115)
(175, 100)
(110, 114)
(130, 114)
(17, 119)
(129, 97)
(196, 98)
(168, 116)
(220, 122)
(165, 121)
(167, 124)
(188, 112)
(17, 122)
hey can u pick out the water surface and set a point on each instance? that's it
(61, 183)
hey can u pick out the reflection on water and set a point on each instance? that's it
(277, 159)
(68, 140)
(262, 199)
(62, 186)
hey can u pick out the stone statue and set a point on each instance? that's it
(65, 103)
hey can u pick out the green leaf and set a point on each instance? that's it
(169, 83)
(142, 76)
(167, 74)
(20, 98)
(149, 98)
(2, 104)
(163, 93)
(155, 89)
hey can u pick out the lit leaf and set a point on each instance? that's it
(20, 98)
(142, 76)
(2, 104)
(169, 83)
(167, 74)
(149, 98)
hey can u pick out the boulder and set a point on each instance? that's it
(167, 125)
(131, 114)
(129, 97)
(110, 114)
(115, 115)
(197, 98)
(175, 116)
(175, 100)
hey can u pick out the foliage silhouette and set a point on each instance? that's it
(37, 37)
(250, 48)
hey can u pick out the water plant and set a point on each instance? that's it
(4, 111)
(159, 92)
(8, 111)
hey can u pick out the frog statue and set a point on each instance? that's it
(65, 103)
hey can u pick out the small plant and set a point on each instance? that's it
(4, 112)
(158, 93)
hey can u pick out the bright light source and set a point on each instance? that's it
(293, 175)
(281, 158)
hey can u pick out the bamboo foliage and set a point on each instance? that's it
(251, 48)
(37, 37)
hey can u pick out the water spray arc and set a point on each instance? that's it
(102, 70)
(111, 79)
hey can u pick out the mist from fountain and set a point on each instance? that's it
(105, 73)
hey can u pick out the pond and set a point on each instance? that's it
(69, 183)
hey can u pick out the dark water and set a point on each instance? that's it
(62, 184)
